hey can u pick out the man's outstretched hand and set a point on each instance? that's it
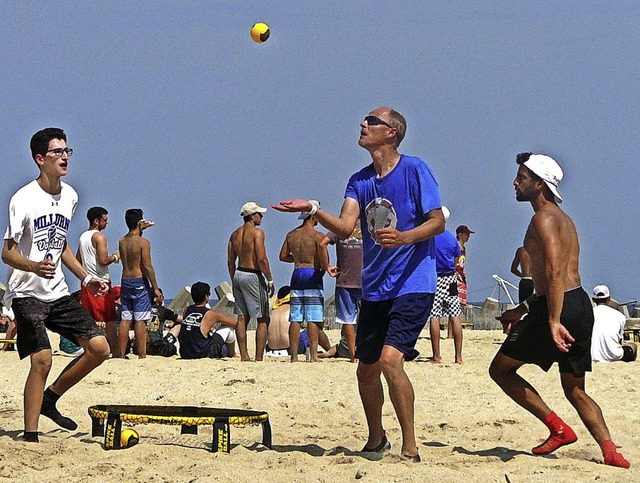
(293, 206)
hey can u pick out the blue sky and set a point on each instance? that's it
(172, 108)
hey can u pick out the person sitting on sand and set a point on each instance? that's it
(608, 331)
(205, 332)
(340, 350)
(160, 316)
(7, 326)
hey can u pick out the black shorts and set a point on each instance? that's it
(396, 322)
(64, 316)
(530, 339)
(525, 289)
(627, 355)
(217, 347)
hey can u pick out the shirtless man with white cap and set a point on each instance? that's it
(250, 291)
(558, 319)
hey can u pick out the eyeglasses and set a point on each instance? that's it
(376, 121)
(59, 152)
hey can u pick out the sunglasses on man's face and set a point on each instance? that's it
(376, 121)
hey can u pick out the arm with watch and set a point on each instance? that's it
(342, 225)
(95, 285)
(102, 250)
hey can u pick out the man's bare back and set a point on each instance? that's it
(135, 253)
(131, 247)
(243, 244)
(552, 244)
(304, 244)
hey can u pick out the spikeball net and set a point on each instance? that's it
(188, 417)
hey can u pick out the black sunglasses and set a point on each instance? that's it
(376, 121)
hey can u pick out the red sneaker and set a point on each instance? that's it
(611, 455)
(562, 436)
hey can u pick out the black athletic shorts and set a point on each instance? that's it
(64, 316)
(525, 289)
(627, 355)
(530, 339)
(216, 349)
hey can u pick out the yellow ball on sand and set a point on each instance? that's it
(129, 437)
(260, 32)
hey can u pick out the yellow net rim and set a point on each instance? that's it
(183, 415)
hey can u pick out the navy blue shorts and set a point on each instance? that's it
(396, 322)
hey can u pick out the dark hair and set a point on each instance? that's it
(40, 141)
(247, 217)
(283, 291)
(523, 158)
(132, 217)
(96, 212)
(199, 292)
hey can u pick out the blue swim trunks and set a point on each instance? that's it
(307, 296)
(136, 304)
(347, 305)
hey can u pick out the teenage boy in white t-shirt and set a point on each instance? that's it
(34, 245)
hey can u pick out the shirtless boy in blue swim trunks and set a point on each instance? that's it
(304, 248)
(137, 271)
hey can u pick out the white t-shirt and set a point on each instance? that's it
(608, 331)
(38, 223)
(89, 256)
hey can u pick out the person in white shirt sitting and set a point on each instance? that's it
(608, 331)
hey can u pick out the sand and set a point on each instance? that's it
(467, 429)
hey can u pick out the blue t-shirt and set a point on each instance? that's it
(447, 250)
(400, 199)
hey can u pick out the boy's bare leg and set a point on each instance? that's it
(261, 337)
(294, 340)
(241, 336)
(140, 330)
(34, 388)
(323, 340)
(349, 333)
(434, 332)
(123, 337)
(313, 329)
(96, 351)
(112, 337)
(456, 327)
